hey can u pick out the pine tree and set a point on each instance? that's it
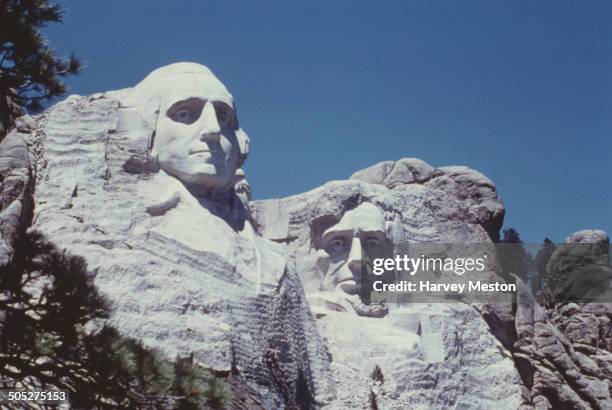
(511, 235)
(541, 259)
(53, 336)
(47, 302)
(512, 255)
(30, 71)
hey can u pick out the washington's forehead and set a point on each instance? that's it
(162, 74)
(177, 81)
(198, 85)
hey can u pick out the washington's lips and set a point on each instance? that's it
(198, 151)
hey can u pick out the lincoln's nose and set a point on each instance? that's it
(354, 259)
(210, 130)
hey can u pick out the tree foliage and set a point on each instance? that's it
(30, 71)
(541, 260)
(513, 257)
(53, 336)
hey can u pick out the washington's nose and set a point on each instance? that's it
(354, 258)
(210, 130)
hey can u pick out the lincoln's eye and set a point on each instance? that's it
(336, 245)
(372, 243)
(337, 242)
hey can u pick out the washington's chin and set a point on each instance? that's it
(203, 174)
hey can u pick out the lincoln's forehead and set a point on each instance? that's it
(366, 217)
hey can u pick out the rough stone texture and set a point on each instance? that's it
(393, 173)
(521, 353)
(26, 124)
(183, 281)
(9, 112)
(587, 326)
(557, 374)
(477, 198)
(481, 202)
(16, 183)
(431, 355)
(588, 236)
(579, 269)
(180, 279)
(455, 205)
(563, 354)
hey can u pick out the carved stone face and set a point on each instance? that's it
(360, 229)
(196, 134)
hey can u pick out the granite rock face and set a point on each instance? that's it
(429, 354)
(587, 326)
(526, 356)
(589, 236)
(476, 198)
(16, 184)
(562, 352)
(179, 276)
(9, 112)
(265, 291)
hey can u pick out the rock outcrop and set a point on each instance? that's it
(543, 359)
(267, 292)
(9, 112)
(429, 354)
(16, 184)
(183, 268)
(562, 352)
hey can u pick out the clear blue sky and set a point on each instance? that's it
(519, 90)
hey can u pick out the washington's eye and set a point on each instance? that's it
(186, 111)
(225, 114)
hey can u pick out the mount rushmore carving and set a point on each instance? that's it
(146, 184)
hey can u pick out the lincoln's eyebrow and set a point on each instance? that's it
(335, 232)
(375, 232)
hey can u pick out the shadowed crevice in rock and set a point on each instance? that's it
(16, 186)
(294, 363)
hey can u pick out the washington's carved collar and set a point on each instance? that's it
(224, 204)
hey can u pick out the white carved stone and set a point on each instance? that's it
(149, 202)
(147, 185)
(431, 355)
